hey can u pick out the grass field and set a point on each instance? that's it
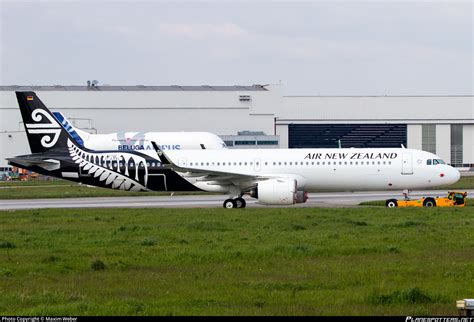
(30, 183)
(68, 189)
(362, 261)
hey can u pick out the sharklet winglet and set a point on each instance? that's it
(161, 155)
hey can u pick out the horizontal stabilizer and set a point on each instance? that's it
(28, 161)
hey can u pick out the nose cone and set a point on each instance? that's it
(453, 175)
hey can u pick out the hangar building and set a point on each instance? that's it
(256, 116)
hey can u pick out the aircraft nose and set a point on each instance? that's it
(453, 175)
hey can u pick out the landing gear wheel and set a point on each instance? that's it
(230, 203)
(429, 202)
(240, 202)
(391, 203)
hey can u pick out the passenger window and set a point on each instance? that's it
(290, 163)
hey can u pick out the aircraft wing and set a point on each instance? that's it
(212, 177)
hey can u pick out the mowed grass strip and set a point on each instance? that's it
(73, 191)
(54, 182)
(304, 261)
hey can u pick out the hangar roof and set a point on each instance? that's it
(133, 88)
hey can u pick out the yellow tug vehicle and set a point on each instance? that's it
(454, 199)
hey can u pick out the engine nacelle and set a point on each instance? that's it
(276, 192)
(301, 196)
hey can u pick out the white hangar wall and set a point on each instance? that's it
(439, 114)
(223, 110)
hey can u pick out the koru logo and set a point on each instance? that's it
(50, 130)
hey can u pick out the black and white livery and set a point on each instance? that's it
(57, 153)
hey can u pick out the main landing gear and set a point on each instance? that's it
(235, 203)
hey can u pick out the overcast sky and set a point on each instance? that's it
(312, 47)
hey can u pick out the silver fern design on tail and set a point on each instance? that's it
(105, 167)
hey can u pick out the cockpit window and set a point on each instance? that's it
(434, 161)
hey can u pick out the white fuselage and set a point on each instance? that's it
(324, 169)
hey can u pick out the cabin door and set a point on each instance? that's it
(407, 163)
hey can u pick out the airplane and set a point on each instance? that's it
(137, 141)
(273, 176)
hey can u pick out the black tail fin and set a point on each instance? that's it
(43, 130)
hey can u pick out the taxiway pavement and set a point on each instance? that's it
(326, 199)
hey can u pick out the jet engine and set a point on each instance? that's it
(276, 192)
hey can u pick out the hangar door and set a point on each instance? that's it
(351, 135)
